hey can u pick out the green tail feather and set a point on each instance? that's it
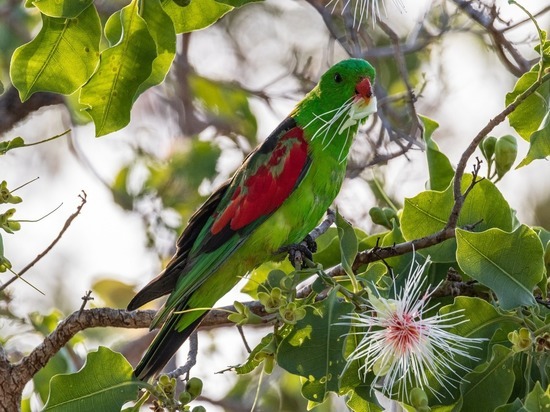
(164, 346)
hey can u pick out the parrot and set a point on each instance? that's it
(274, 199)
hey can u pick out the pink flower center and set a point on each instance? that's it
(403, 333)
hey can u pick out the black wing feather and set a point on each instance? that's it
(166, 281)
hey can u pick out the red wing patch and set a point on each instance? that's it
(263, 192)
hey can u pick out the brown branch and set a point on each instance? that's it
(107, 317)
(519, 65)
(458, 196)
(191, 358)
(50, 247)
(14, 111)
(70, 326)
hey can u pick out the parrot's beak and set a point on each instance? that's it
(364, 89)
(365, 101)
(364, 104)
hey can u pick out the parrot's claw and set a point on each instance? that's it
(300, 253)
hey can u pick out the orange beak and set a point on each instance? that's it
(364, 89)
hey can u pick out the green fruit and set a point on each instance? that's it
(185, 398)
(194, 387)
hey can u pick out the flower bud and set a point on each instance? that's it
(271, 301)
(379, 217)
(521, 339)
(506, 150)
(419, 399)
(488, 147)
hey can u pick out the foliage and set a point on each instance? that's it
(141, 46)
(499, 263)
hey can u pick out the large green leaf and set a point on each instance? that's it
(483, 320)
(490, 384)
(61, 58)
(428, 212)
(104, 383)
(314, 348)
(198, 14)
(122, 69)
(41, 381)
(510, 264)
(440, 169)
(62, 8)
(162, 30)
(529, 114)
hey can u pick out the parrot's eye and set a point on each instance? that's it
(338, 78)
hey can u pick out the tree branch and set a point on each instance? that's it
(14, 111)
(486, 17)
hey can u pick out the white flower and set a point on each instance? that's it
(403, 347)
(362, 9)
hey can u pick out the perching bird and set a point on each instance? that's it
(273, 200)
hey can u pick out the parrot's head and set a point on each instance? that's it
(341, 101)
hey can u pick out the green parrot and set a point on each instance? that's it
(278, 195)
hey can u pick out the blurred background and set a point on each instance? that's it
(230, 85)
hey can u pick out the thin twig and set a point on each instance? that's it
(191, 358)
(68, 222)
(245, 342)
(458, 196)
(85, 299)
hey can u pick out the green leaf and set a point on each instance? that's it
(361, 400)
(199, 14)
(348, 243)
(104, 383)
(41, 381)
(428, 212)
(487, 257)
(495, 378)
(510, 407)
(61, 58)
(62, 8)
(314, 347)
(258, 354)
(539, 143)
(7, 145)
(537, 400)
(483, 320)
(529, 114)
(162, 30)
(259, 275)
(439, 167)
(122, 69)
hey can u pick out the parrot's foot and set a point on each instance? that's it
(301, 254)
